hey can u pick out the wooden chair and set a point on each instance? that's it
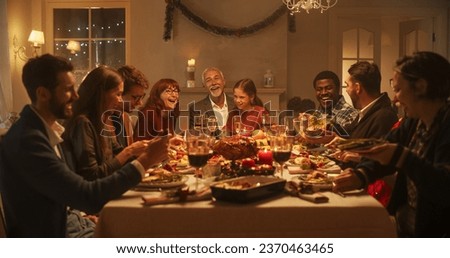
(2, 213)
(2, 219)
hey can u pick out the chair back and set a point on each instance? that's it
(2, 213)
(2, 219)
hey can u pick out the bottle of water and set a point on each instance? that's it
(268, 79)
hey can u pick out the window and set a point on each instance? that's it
(357, 45)
(100, 31)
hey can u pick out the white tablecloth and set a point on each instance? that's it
(356, 215)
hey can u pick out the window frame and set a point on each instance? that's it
(85, 4)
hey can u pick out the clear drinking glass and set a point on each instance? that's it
(281, 146)
(313, 124)
(237, 124)
(198, 123)
(211, 125)
(199, 152)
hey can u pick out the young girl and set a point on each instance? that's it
(249, 109)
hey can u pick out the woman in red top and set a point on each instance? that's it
(248, 107)
(160, 112)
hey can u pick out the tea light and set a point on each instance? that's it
(265, 157)
(191, 62)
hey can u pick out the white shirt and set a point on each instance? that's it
(364, 111)
(221, 113)
(54, 132)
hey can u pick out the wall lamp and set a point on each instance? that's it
(36, 37)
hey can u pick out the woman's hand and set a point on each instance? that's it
(347, 156)
(155, 153)
(138, 147)
(334, 142)
(346, 181)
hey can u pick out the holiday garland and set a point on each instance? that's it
(219, 30)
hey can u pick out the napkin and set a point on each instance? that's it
(314, 197)
(181, 196)
(298, 170)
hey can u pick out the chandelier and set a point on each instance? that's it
(295, 6)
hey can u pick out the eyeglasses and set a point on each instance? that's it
(138, 97)
(172, 91)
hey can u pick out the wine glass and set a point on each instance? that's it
(199, 152)
(281, 146)
(269, 124)
(211, 125)
(198, 123)
(237, 124)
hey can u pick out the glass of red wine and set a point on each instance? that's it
(281, 146)
(199, 152)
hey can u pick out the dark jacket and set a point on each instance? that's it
(37, 186)
(82, 145)
(378, 120)
(204, 107)
(430, 174)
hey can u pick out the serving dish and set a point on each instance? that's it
(356, 145)
(247, 188)
(175, 181)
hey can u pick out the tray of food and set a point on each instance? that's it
(358, 144)
(247, 188)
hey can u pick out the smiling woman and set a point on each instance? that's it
(160, 113)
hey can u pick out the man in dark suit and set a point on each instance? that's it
(216, 103)
(376, 115)
(36, 184)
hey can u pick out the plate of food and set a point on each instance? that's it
(315, 181)
(161, 178)
(357, 145)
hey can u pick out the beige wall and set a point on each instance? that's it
(246, 57)
(295, 58)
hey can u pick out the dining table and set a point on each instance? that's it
(349, 215)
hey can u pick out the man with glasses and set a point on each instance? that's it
(340, 114)
(135, 85)
(216, 104)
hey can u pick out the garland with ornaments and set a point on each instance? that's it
(220, 30)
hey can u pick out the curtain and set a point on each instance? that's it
(5, 73)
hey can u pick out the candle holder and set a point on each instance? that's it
(190, 69)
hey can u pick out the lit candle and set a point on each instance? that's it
(191, 62)
(265, 157)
